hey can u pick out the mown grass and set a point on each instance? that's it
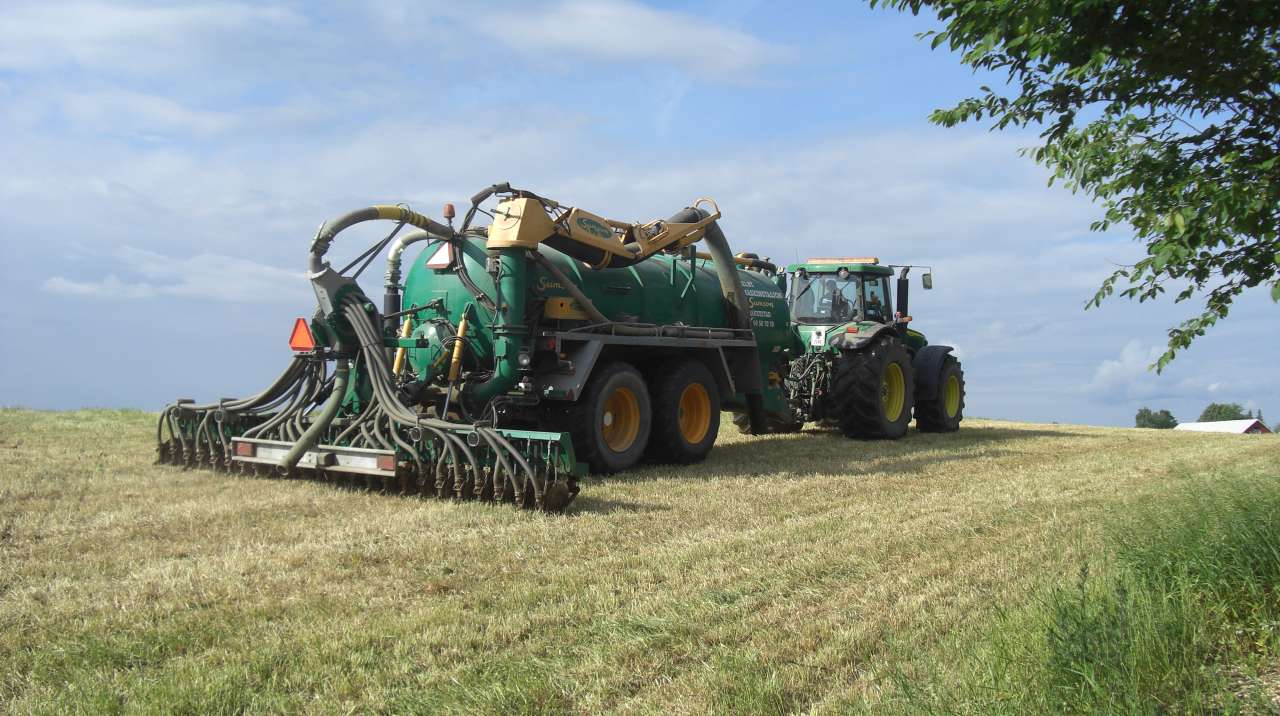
(1183, 617)
(802, 573)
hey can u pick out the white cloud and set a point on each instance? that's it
(109, 287)
(138, 39)
(143, 113)
(209, 276)
(625, 31)
(1128, 376)
(109, 37)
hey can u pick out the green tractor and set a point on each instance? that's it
(859, 367)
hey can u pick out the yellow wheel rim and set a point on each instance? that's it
(893, 392)
(952, 396)
(620, 423)
(694, 413)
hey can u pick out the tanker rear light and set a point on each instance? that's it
(387, 462)
(245, 450)
(300, 339)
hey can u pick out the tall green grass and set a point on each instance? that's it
(1179, 615)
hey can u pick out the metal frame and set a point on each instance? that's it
(329, 458)
(585, 348)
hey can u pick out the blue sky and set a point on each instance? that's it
(166, 165)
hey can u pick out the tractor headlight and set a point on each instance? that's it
(523, 360)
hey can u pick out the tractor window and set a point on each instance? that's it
(877, 306)
(825, 298)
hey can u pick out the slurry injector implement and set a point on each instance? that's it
(513, 357)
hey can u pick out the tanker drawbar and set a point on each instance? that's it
(511, 360)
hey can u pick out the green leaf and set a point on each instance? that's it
(1275, 291)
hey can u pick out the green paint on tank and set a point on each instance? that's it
(662, 290)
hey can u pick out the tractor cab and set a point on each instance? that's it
(833, 292)
(836, 302)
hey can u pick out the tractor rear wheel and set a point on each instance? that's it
(872, 390)
(686, 412)
(610, 423)
(943, 413)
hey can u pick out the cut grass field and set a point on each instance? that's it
(799, 573)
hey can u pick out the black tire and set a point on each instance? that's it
(942, 414)
(592, 441)
(773, 424)
(683, 433)
(861, 381)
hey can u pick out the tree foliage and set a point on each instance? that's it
(1158, 419)
(1166, 112)
(1224, 411)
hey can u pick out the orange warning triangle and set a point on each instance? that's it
(301, 338)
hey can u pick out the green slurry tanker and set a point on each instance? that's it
(506, 361)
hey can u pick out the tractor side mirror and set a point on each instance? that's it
(927, 280)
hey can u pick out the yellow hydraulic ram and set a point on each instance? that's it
(455, 362)
(405, 331)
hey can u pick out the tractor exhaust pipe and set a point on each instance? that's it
(904, 290)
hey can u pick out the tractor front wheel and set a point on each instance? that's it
(943, 413)
(872, 390)
(610, 423)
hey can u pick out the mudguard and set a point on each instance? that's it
(927, 368)
(855, 341)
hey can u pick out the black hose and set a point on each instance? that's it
(380, 379)
(323, 421)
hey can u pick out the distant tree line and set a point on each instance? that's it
(1158, 419)
(1213, 412)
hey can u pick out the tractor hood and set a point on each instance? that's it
(818, 338)
(853, 334)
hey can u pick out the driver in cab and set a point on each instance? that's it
(835, 303)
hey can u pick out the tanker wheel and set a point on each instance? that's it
(610, 423)
(686, 412)
(773, 423)
(873, 391)
(944, 412)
